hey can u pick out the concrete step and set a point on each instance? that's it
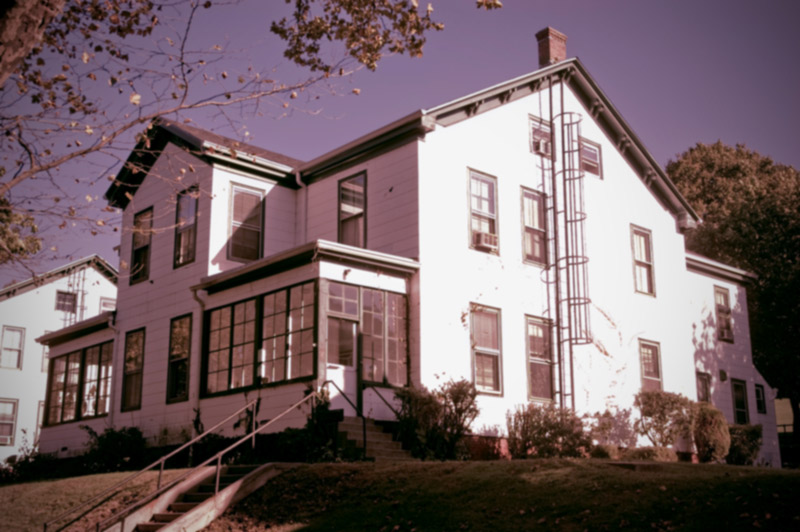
(195, 497)
(150, 527)
(358, 437)
(166, 517)
(346, 426)
(182, 507)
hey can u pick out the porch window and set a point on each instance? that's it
(651, 365)
(342, 341)
(642, 261)
(140, 254)
(232, 341)
(8, 421)
(533, 220)
(246, 224)
(540, 359)
(740, 411)
(486, 348)
(132, 371)
(180, 342)
(287, 348)
(82, 378)
(352, 210)
(724, 320)
(185, 227)
(13, 340)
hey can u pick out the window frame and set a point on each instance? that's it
(745, 407)
(592, 145)
(546, 326)
(761, 399)
(644, 377)
(185, 230)
(71, 307)
(546, 127)
(140, 274)
(477, 350)
(340, 219)
(172, 396)
(104, 301)
(231, 227)
(649, 266)
(541, 198)
(9, 442)
(124, 405)
(703, 382)
(20, 350)
(492, 217)
(724, 315)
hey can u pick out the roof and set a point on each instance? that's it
(701, 264)
(94, 261)
(419, 123)
(80, 329)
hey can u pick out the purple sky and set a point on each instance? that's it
(679, 71)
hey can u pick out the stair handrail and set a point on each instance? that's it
(217, 457)
(101, 497)
(358, 412)
(382, 398)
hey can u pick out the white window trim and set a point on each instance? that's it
(487, 351)
(20, 349)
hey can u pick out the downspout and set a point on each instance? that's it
(196, 402)
(304, 220)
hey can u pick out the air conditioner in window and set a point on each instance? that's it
(542, 147)
(485, 241)
(5, 440)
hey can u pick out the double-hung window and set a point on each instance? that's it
(483, 212)
(761, 400)
(703, 386)
(185, 227)
(740, 412)
(246, 224)
(180, 341)
(13, 340)
(591, 161)
(486, 352)
(352, 210)
(533, 220)
(643, 279)
(540, 359)
(651, 365)
(724, 320)
(541, 140)
(132, 371)
(66, 301)
(140, 254)
(80, 384)
(8, 421)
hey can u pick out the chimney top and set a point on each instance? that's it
(552, 46)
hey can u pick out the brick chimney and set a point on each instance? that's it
(552, 46)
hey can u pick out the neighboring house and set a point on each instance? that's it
(520, 237)
(48, 302)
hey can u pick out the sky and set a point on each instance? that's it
(679, 72)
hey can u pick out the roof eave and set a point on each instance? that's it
(86, 327)
(699, 264)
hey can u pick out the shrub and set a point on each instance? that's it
(612, 428)
(711, 435)
(605, 451)
(745, 444)
(114, 449)
(434, 423)
(545, 431)
(665, 416)
(653, 454)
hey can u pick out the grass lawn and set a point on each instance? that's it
(520, 495)
(27, 506)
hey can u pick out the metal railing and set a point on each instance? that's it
(104, 495)
(358, 412)
(382, 398)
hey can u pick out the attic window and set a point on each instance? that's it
(591, 161)
(541, 138)
(140, 255)
(66, 301)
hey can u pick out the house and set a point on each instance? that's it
(520, 237)
(28, 309)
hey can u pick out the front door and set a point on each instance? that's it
(343, 361)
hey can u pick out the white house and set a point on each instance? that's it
(29, 309)
(520, 237)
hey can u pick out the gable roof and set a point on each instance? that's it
(201, 143)
(95, 261)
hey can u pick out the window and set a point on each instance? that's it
(80, 379)
(483, 212)
(724, 320)
(642, 261)
(740, 412)
(288, 334)
(651, 365)
(541, 140)
(180, 342)
(486, 348)
(533, 221)
(352, 206)
(140, 254)
(66, 301)
(13, 340)
(45, 356)
(107, 304)
(591, 162)
(703, 386)
(8, 421)
(185, 227)
(246, 218)
(132, 374)
(379, 320)
(761, 400)
(540, 359)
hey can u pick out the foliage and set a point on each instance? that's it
(711, 435)
(750, 208)
(664, 416)
(536, 431)
(652, 454)
(605, 451)
(18, 238)
(613, 428)
(114, 449)
(28, 464)
(745, 443)
(434, 423)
